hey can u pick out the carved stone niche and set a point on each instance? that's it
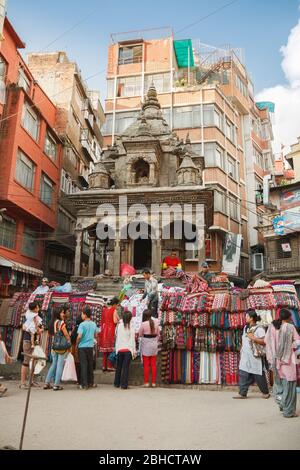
(188, 174)
(142, 170)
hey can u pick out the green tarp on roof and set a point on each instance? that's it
(266, 104)
(184, 53)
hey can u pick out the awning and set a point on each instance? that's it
(184, 53)
(20, 267)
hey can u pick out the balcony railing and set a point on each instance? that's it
(283, 265)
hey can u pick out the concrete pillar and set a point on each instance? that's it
(92, 242)
(78, 253)
(117, 256)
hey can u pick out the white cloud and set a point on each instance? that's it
(286, 127)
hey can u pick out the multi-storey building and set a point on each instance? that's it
(30, 160)
(79, 119)
(206, 93)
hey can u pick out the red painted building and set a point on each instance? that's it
(30, 161)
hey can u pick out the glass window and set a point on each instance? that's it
(258, 157)
(187, 117)
(220, 202)
(30, 121)
(110, 88)
(65, 222)
(30, 244)
(166, 112)
(8, 229)
(25, 170)
(191, 250)
(24, 81)
(231, 167)
(214, 155)
(161, 82)
(130, 54)
(233, 207)
(50, 147)
(124, 120)
(3, 68)
(129, 86)
(46, 190)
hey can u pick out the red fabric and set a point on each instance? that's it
(149, 361)
(173, 262)
(107, 334)
(123, 350)
(107, 364)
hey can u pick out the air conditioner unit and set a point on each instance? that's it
(258, 262)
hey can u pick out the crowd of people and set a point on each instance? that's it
(264, 353)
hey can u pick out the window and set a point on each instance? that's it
(230, 131)
(46, 190)
(29, 246)
(166, 112)
(50, 147)
(24, 81)
(233, 208)
(30, 121)
(161, 82)
(214, 155)
(110, 88)
(212, 116)
(258, 157)
(130, 54)
(65, 222)
(3, 70)
(241, 86)
(25, 170)
(71, 156)
(220, 202)
(8, 229)
(187, 117)
(231, 167)
(122, 121)
(284, 249)
(65, 182)
(129, 86)
(191, 250)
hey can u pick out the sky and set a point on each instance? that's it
(268, 31)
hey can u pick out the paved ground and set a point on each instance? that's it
(162, 418)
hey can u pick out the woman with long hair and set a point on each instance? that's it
(281, 341)
(125, 349)
(58, 357)
(109, 320)
(251, 367)
(149, 333)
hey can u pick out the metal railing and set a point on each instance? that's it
(283, 265)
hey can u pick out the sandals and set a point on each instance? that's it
(266, 396)
(23, 387)
(239, 397)
(47, 387)
(56, 388)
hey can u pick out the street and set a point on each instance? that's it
(162, 418)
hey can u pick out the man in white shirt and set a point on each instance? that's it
(151, 292)
(43, 288)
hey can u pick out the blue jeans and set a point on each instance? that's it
(57, 367)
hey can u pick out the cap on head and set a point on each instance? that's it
(204, 264)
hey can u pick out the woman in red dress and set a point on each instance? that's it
(108, 324)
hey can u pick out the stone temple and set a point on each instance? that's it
(150, 182)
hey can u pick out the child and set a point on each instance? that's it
(4, 359)
(33, 322)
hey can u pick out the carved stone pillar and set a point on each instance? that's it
(102, 258)
(78, 253)
(117, 255)
(201, 245)
(92, 242)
